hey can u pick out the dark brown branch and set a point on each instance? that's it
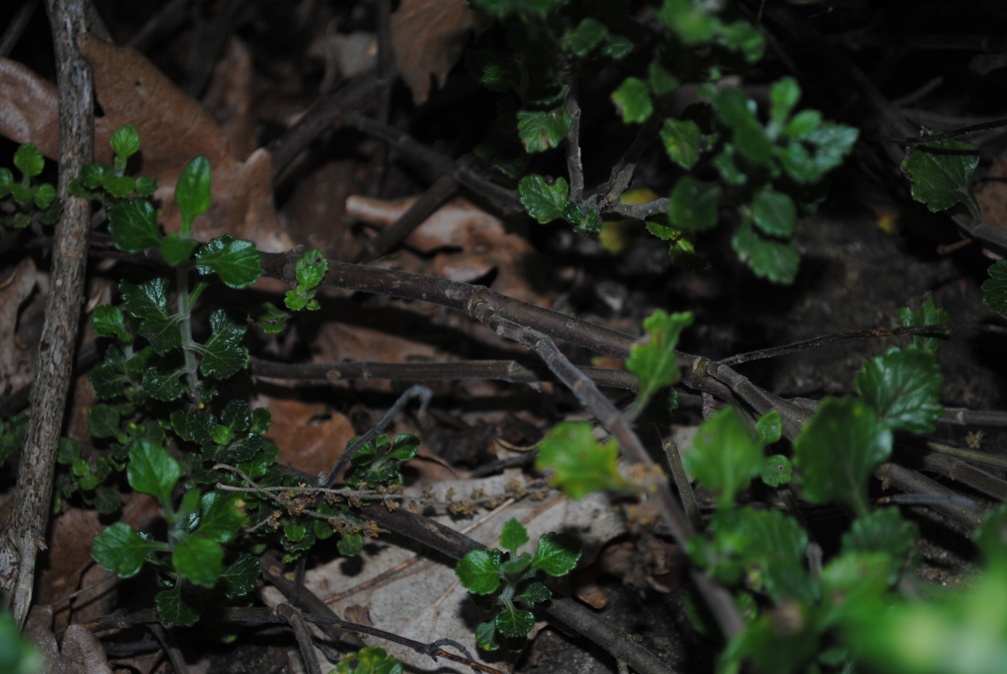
(25, 530)
(303, 637)
(500, 370)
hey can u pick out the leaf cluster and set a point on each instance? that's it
(510, 583)
(377, 463)
(33, 201)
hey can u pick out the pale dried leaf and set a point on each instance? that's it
(428, 37)
(424, 601)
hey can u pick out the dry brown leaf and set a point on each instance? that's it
(229, 99)
(310, 436)
(173, 128)
(424, 600)
(992, 195)
(470, 243)
(428, 37)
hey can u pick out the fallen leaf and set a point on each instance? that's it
(310, 436)
(467, 244)
(428, 38)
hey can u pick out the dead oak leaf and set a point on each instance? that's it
(469, 242)
(428, 37)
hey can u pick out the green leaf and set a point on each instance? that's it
(236, 262)
(783, 96)
(942, 174)
(478, 572)
(219, 519)
(486, 636)
(17, 654)
(557, 554)
(153, 471)
(883, 531)
(512, 622)
(516, 567)
(774, 212)
(661, 81)
(106, 500)
(725, 458)
(192, 192)
(995, 287)
(524, 8)
(310, 268)
(543, 201)
(681, 141)
(45, 195)
(929, 314)
(269, 318)
(741, 36)
(122, 550)
(125, 141)
(991, 536)
(728, 168)
(767, 258)
(838, 449)
(163, 386)
(133, 225)
(109, 321)
(581, 40)
(904, 387)
(103, 421)
(198, 559)
(177, 250)
(369, 660)
(173, 609)
(513, 536)
(587, 223)
(494, 70)
(350, 545)
(776, 470)
(119, 187)
(149, 303)
(240, 578)
(540, 131)
(580, 464)
(534, 593)
(769, 428)
(632, 100)
(29, 160)
(223, 355)
(653, 361)
(404, 447)
(694, 205)
(738, 112)
(692, 23)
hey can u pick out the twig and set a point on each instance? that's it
(432, 199)
(417, 391)
(327, 112)
(501, 370)
(622, 173)
(24, 532)
(914, 482)
(171, 648)
(821, 340)
(304, 641)
(16, 27)
(574, 162)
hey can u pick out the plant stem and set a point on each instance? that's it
(184, 316)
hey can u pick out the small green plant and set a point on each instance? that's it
(161, 418)
(370, 660)
(510, 583)
(378, 462)
(309, 271)
(31, 201)
(769, 163)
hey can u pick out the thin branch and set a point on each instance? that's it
(16, 26)
(622, 173)
(500, 370)
(433, 198)
(171, 648)
(25, 530)
(303, 637)
(574, 162)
